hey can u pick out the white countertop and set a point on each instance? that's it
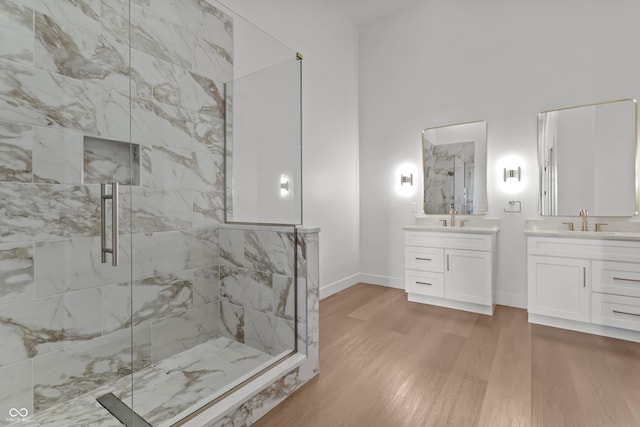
(605, 235)
(441, 229)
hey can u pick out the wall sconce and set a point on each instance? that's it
(405, 186)
(284, 186)
(406, 179)
(512, 173)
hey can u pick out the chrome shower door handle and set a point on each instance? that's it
(114, 223)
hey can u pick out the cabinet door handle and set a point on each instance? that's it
(627, 313)
(423, 259)
(626, 280)
(447, 262)
(584, 277)
(423, 283)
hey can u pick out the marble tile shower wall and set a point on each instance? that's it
(74, 68)
(257, 295)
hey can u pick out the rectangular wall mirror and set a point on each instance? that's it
(587, 158)
(454, 160)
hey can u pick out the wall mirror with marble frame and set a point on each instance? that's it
(587, 158)
(454, 161)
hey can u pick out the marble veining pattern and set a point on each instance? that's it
(45, 212)
(16, 389)
(206, 285)
(153, 298)
(179, 333)
(161, 124)
(32, 96)
(256, 406)
(268, 333)
(160, 37)
(249, 289)
(209, 130)
(283, 297)
(258, 250)
(164, 392)
(16, 272)
(57, 156)
(37, 327)
(83, 266)
(172, 167)
(156, 210)
(232, 321)
(107, 161)
(85, 13)
(181, 250)
(113, 120)
(232, 247)
(167, 83)
(16, 146)
(16, 32)
(269, 251)
(73, 51)
(68, 373)
(114, 19)
(208, 209)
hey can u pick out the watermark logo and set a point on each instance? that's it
(18, 415)
(13, 412)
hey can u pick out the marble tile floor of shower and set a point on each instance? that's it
(167, 391)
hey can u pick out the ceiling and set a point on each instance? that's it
(365, 10)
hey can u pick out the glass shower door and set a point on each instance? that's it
(65, 323)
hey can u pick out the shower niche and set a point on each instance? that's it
(107, 160)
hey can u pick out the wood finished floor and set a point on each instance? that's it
(385, 361)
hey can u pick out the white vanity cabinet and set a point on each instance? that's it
(559, 287)
(585, 284)
(450, 269)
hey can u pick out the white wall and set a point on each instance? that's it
(329, 41)
(444, 62)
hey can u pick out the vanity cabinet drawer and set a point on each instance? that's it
(615, 310)
(424, 259)
(424, 283)
(618, 278)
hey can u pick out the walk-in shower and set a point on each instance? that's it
(150, 189)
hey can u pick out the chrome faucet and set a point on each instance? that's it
(584, 213)
(453, 213)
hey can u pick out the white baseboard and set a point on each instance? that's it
(389, 282)
(340, 285)
(589, 328)
(457, 305)
(501, 298)
(347, 282)
(511, 300)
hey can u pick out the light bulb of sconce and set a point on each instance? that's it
(406, 179)
(512, 174)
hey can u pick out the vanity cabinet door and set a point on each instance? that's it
(559, 287)
(468, 276)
